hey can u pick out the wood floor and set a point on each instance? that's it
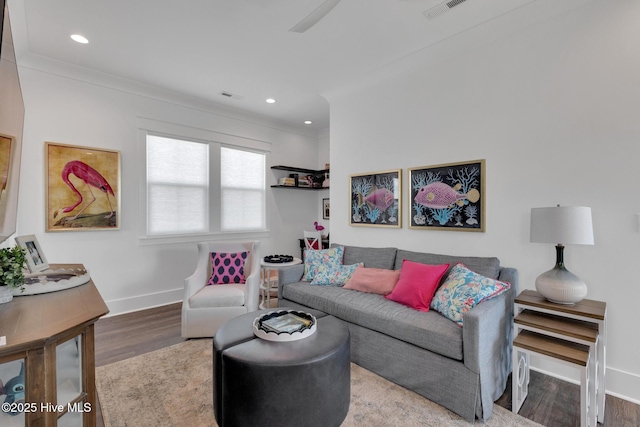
(551, 402)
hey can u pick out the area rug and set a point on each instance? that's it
(173, 387)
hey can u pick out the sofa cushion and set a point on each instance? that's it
(462, 290)
(313, 260)
(371, 257)
(375, 280)
(334, 275)
(486, 266)
(231, 295)
(429, 330)
(417, 284)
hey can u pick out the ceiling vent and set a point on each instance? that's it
(442, 8)
(227, 94)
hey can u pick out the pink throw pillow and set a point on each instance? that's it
(227, 268)
(417, 284)
(373, 280)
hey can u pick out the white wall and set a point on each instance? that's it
(323, 159)
(553, 109)
(71, 110)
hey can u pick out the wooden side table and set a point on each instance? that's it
(574, 334)
(36, 328)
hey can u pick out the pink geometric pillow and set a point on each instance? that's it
(227, 268)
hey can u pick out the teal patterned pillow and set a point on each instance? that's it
(334, 276)
(462, 290)
(314, 259)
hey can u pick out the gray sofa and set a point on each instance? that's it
(464, 369)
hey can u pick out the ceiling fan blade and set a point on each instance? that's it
(315, 16)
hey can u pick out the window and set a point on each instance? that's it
(243, 190)
(177, 186)
(196, 187)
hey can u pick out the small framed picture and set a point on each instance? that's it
(36, 260)
(325, 209)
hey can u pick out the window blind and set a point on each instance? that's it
(177, 186)
(242, 181)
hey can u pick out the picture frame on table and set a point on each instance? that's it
(325, 209)
(448, 196)
(83, 188)
(376, 199)
(36, 260)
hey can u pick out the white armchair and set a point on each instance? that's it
(206, 308)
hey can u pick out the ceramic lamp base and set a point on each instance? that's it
(561, 286)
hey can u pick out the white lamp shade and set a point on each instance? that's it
(562, 225)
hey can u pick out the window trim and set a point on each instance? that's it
(216, 140)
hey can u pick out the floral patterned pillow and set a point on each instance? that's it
(314, 259)
(462, 290)
(332, 276)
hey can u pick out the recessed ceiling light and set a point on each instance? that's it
(80, 39)
(271, 101)
(307, 122)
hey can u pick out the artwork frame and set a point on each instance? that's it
(326, 210)
(381, 209)
(7, 144)
(36, 260)
(74, 173)
(440, 185)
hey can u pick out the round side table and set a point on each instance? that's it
(268, 284)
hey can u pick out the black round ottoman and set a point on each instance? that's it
(297, 383)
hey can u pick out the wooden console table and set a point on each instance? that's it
(34, 326)
(574, 334)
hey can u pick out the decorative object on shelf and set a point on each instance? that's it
(561, 225)
(12, 279)
(36, 260)
(52, 280)
(278, 259)
(325, 209)
(318, 226)
(376, 199)
(284, 325)
(73, 174)
(448, 196)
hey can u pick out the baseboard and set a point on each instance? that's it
(142, 302)
(621, 384)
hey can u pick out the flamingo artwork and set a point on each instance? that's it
(91, 178)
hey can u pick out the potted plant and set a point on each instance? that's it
(11, 271)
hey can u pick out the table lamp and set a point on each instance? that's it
(561, 225)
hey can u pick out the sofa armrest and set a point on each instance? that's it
(289, 275)
(487, 339)
(509, 275)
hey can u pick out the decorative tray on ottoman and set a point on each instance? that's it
(284, 325)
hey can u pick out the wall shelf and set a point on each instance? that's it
(318, 177)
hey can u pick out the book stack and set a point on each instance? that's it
(289, 182)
